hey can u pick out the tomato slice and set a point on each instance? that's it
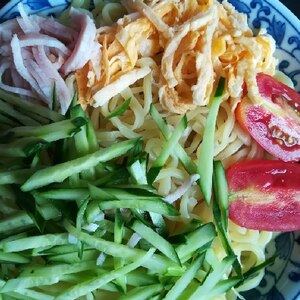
(265, 195)
(277, 131)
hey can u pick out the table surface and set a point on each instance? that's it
(293, 5)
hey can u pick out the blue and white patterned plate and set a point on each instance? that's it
(282, 280)
(47, 7)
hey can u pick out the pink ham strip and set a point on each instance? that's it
(27, 24)
(38, 39)
(55, 29)
(12, 89)
(5, 49)
(19, 64)
(7, 29)
(57, 61)
(45, 64)
(18, 81)
(85, 44)
(41, 49)
(38, 74)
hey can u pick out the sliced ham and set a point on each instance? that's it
(53, 28)
(3, 67)
(19, 64)
(7, 29)
(85, 46)
(49, 70)
(40, 53)
(38, 39)
(27, 24)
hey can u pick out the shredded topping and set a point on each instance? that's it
(193, 43)
(38, 53)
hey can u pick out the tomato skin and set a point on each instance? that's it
(278, 134)
(268, 86)
(265, 195)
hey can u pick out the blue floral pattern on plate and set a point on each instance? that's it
(33, 6)
(282, 279)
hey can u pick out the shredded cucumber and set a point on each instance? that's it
(205, 163)
(78, 220)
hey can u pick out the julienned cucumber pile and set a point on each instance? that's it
(81, 221)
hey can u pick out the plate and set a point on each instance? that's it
(281, 280)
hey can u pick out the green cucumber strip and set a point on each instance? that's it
(138, 172)
(50, 132)
(252, 271)
(118, 227)
(9, 110)
(118, 237)
(78, 278)
(81, 141)
(220, 211)
(189, 227)
(182, 283)
(143, 292)
(27, 294)
(60, 172)
(45, 276)
(213, 279)
(160, 224)
(155, 240)
(27, 106)
(84, 288)
(151, 205)
(91, 137)
(57, 269)
(110, 198)
(224, 238)
(14, 258)
(102, 194)
(16, 222)
(130, 193)
(222, 287)
(28, 203)
(93, 212)
(186, 161)
(206, 156)
(38, 118)
(73, 257)
(8, 121)
(140, 277)
(169, 146)
(47, 240)
(220, 190)
(113, 177)
(60, 249)
(16, 176)
(157, 263)
(118, 111)
(79, 221)
(23, 147)
(12, 238)
(68, 194)
(195, 241)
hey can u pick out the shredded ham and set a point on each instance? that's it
(38, 39)
(85, 45)
(42, 53)
(3, 67)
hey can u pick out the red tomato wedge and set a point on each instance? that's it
(265, 195)
(277, 131)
